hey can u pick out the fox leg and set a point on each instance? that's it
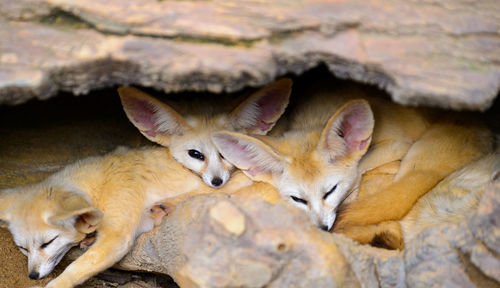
(160, 211)
(88, 241)
(444, 148)
(113, 242)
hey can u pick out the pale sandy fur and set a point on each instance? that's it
(123, 186)
(186, 125)
(411, 150)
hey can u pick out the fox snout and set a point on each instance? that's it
(216, 181)
(324, 228)
(324, 222)
(39, 268)
(34, 275)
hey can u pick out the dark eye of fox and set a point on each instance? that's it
(196, 154)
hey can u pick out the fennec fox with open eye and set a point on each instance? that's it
(187, 131)
(110, 195)
(113, 195)
(319, 161)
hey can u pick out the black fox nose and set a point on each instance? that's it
(324, 227)
(216, 181)
(34, 275)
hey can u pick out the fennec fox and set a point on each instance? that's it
(112, 195)
(187, 131)
(453, 199)
(319, 161)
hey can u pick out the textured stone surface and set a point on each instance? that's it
(278, 247)
(444, 53)
(278, 242)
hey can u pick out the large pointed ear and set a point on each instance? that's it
(256, 159)
(258, 113)
(74, 209)
(154, 119)
(349, 131)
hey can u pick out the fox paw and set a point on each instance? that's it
(160, 211)
(88, 241)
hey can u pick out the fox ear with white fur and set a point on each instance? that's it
(74, 209)
(154, 119)
(256, 159)
(349, 131)
(260, 112)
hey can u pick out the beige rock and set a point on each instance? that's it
(228, 216)
(439, 53)
(279, 247)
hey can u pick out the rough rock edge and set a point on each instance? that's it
(342, 67)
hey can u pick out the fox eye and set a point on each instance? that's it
(24, 249)
(329, 192)
(196, 154)
(299, 200)
(221, 157)
(44, 245)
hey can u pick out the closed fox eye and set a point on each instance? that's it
(44, 245)
(299, 200)
(329, 192)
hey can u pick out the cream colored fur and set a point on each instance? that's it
(186, 130)
(454, 199)
(112, 194)
(420, 147)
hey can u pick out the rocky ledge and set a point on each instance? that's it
(244, 241)
(442, 53)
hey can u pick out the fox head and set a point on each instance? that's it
(45, 223)
(189, 137)
(315, 170)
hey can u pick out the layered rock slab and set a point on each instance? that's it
(441, 53)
